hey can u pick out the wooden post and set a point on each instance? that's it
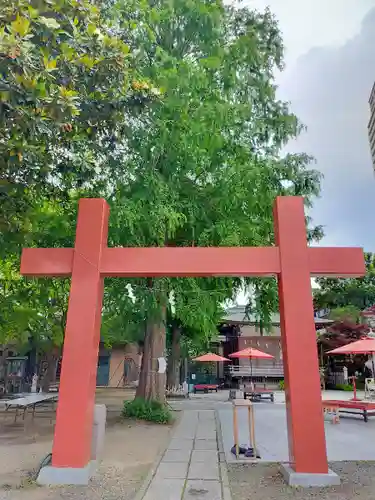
(235, 430)
(251, 428)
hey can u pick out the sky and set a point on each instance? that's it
(330, 69)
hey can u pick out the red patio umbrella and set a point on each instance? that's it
(210, 357)
(251, 353)
(363, 346)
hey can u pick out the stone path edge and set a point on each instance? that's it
(225, 489)
(154, 467)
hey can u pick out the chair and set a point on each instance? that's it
(369, 388)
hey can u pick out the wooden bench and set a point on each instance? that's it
(257, 394)
(363, 408)
(205, 388)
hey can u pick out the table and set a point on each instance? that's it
(30, 401)
(258, 394)
(238, 403)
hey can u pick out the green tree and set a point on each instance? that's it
(203, 163)
(192, 321)
(33, 311)
(358, 293)
(65, 92)
(347, 313)
(68, 89)
(186, 149)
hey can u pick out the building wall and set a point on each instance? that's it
(371, 125)
(5, 352)
(124, 356)
(116, 367)
(270, 345)
(254, 330)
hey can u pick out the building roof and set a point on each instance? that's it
(237, 314)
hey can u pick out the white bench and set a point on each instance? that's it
(30, 401)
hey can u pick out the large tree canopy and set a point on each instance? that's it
(186, 149)
(202, 164)
(65, 83)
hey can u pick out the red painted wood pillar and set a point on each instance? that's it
(74, 420)
(307, 446)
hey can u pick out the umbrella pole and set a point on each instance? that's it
(355, 390)
(251, 374)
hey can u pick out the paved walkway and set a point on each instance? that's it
(190, 468)
(351, 439)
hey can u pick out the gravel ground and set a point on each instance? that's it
(130, 450)
(264, 482)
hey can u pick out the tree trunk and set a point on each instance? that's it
(151, 383)
(174, 360)
(49, 375)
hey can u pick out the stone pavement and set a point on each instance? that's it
(190, 468)
(351, 439)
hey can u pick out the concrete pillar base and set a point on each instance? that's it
(306, 479)
(79, 475)
(55, 476)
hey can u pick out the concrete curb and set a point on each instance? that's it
(222, 461)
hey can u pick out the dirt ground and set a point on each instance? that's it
(264, 482)
(130, 450)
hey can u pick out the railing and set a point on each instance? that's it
(256, 371)
(335, 378)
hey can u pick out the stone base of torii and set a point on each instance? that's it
(90, 261)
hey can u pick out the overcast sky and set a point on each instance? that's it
(330, 56)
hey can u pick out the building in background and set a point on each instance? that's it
(371, 125)
(242, 331)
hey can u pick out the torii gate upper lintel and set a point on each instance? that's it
(291, 260)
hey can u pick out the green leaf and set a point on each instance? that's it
(211, 62)
(49, 22)
(91, 29)
(20, 26)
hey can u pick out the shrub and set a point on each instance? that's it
(344, 387)
(281, 385)
(152, 411)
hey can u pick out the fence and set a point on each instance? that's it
(335, 378)
(276, 371)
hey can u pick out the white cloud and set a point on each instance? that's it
(329, 90)
(315, 23)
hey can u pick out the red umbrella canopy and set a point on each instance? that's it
(363, 346)
(250, 353)
(210, 356)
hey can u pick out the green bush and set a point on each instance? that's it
(281, 385)
(344, 387)
(152, 411)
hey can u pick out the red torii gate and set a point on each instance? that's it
(291, 260)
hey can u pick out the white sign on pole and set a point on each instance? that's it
(162, 365)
